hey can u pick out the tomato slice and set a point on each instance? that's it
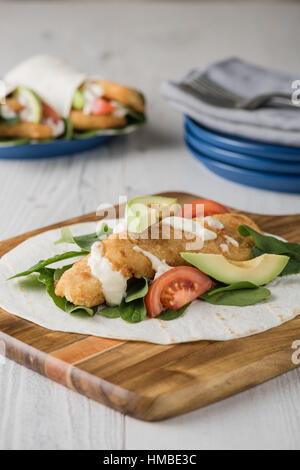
(101, 106)
(49, 113)
(192, 210)
(175, 288)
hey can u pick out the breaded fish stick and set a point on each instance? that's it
(28, 130)
(125, 95)
(80, 287)
(83, 122)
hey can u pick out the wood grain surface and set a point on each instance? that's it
(147, 381)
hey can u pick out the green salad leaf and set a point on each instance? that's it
(84, 242)
(137, 290)
(110, 312)
(239, 294)
(272, 245)
(168, 315)
(54, 259)
(68, 134)
(47, 276)
(133, 312)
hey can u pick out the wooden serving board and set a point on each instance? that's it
(147, 381)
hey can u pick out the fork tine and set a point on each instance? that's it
(216, 88)
(206, 97)
(201, 88)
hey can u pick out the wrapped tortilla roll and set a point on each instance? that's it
(24, 113)
(90, 104)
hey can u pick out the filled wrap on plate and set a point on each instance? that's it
(90, 106)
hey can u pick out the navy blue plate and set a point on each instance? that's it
(245, 146)
(270, 181)
(241, 160)
(57, 148)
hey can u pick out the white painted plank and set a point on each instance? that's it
(266, 417)
(36, 413)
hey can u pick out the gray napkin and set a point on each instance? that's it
(271, 124)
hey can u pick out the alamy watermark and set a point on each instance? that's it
(155, 221)
(296, 93)
(296, 354)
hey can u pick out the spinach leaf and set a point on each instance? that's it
(43, 263)
(271, 245)
(168, 315)
(234, 286)
(239, 294)
(110, 312)
(46, 277)
(132, 312)
(136, 290)
(84, 242)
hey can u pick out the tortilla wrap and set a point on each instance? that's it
(201, 321)
(52, 78)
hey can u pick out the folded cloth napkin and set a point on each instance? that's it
(276, 125)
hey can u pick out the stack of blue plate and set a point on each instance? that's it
(245, 161)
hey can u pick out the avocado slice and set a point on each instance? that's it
(32, 103)
(260, 270)
(142, 212)
(78, 101)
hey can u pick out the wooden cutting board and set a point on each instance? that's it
(147, 381)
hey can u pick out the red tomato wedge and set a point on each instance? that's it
(101, 106)
(49, 113)
(194, 209)
(175, 288)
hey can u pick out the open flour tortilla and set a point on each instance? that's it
(201, 321)
(53, 79)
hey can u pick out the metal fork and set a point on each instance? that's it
(215, 94)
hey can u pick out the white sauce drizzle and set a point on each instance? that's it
(224, 247)
(57, 127)
(114, 284)
(6, 112)
(91, 91)
(158, 266)
(191, 226)
(213, 222)
(232, 241)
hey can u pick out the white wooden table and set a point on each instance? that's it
(139, 45)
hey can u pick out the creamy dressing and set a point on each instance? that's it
(6, 112)
(232, 241)
(120, 111)
(191, 226)
(159, 266)
(213, 222)
(91, 91)
(224, 248)
(58, 127)
(114, 284)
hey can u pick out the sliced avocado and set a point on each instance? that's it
(32, 103)
(260, 270)
(78, 100)
(142, 212)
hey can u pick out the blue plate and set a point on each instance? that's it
(270, 181)
(241, 160)
(237, 144)
(56, 148)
